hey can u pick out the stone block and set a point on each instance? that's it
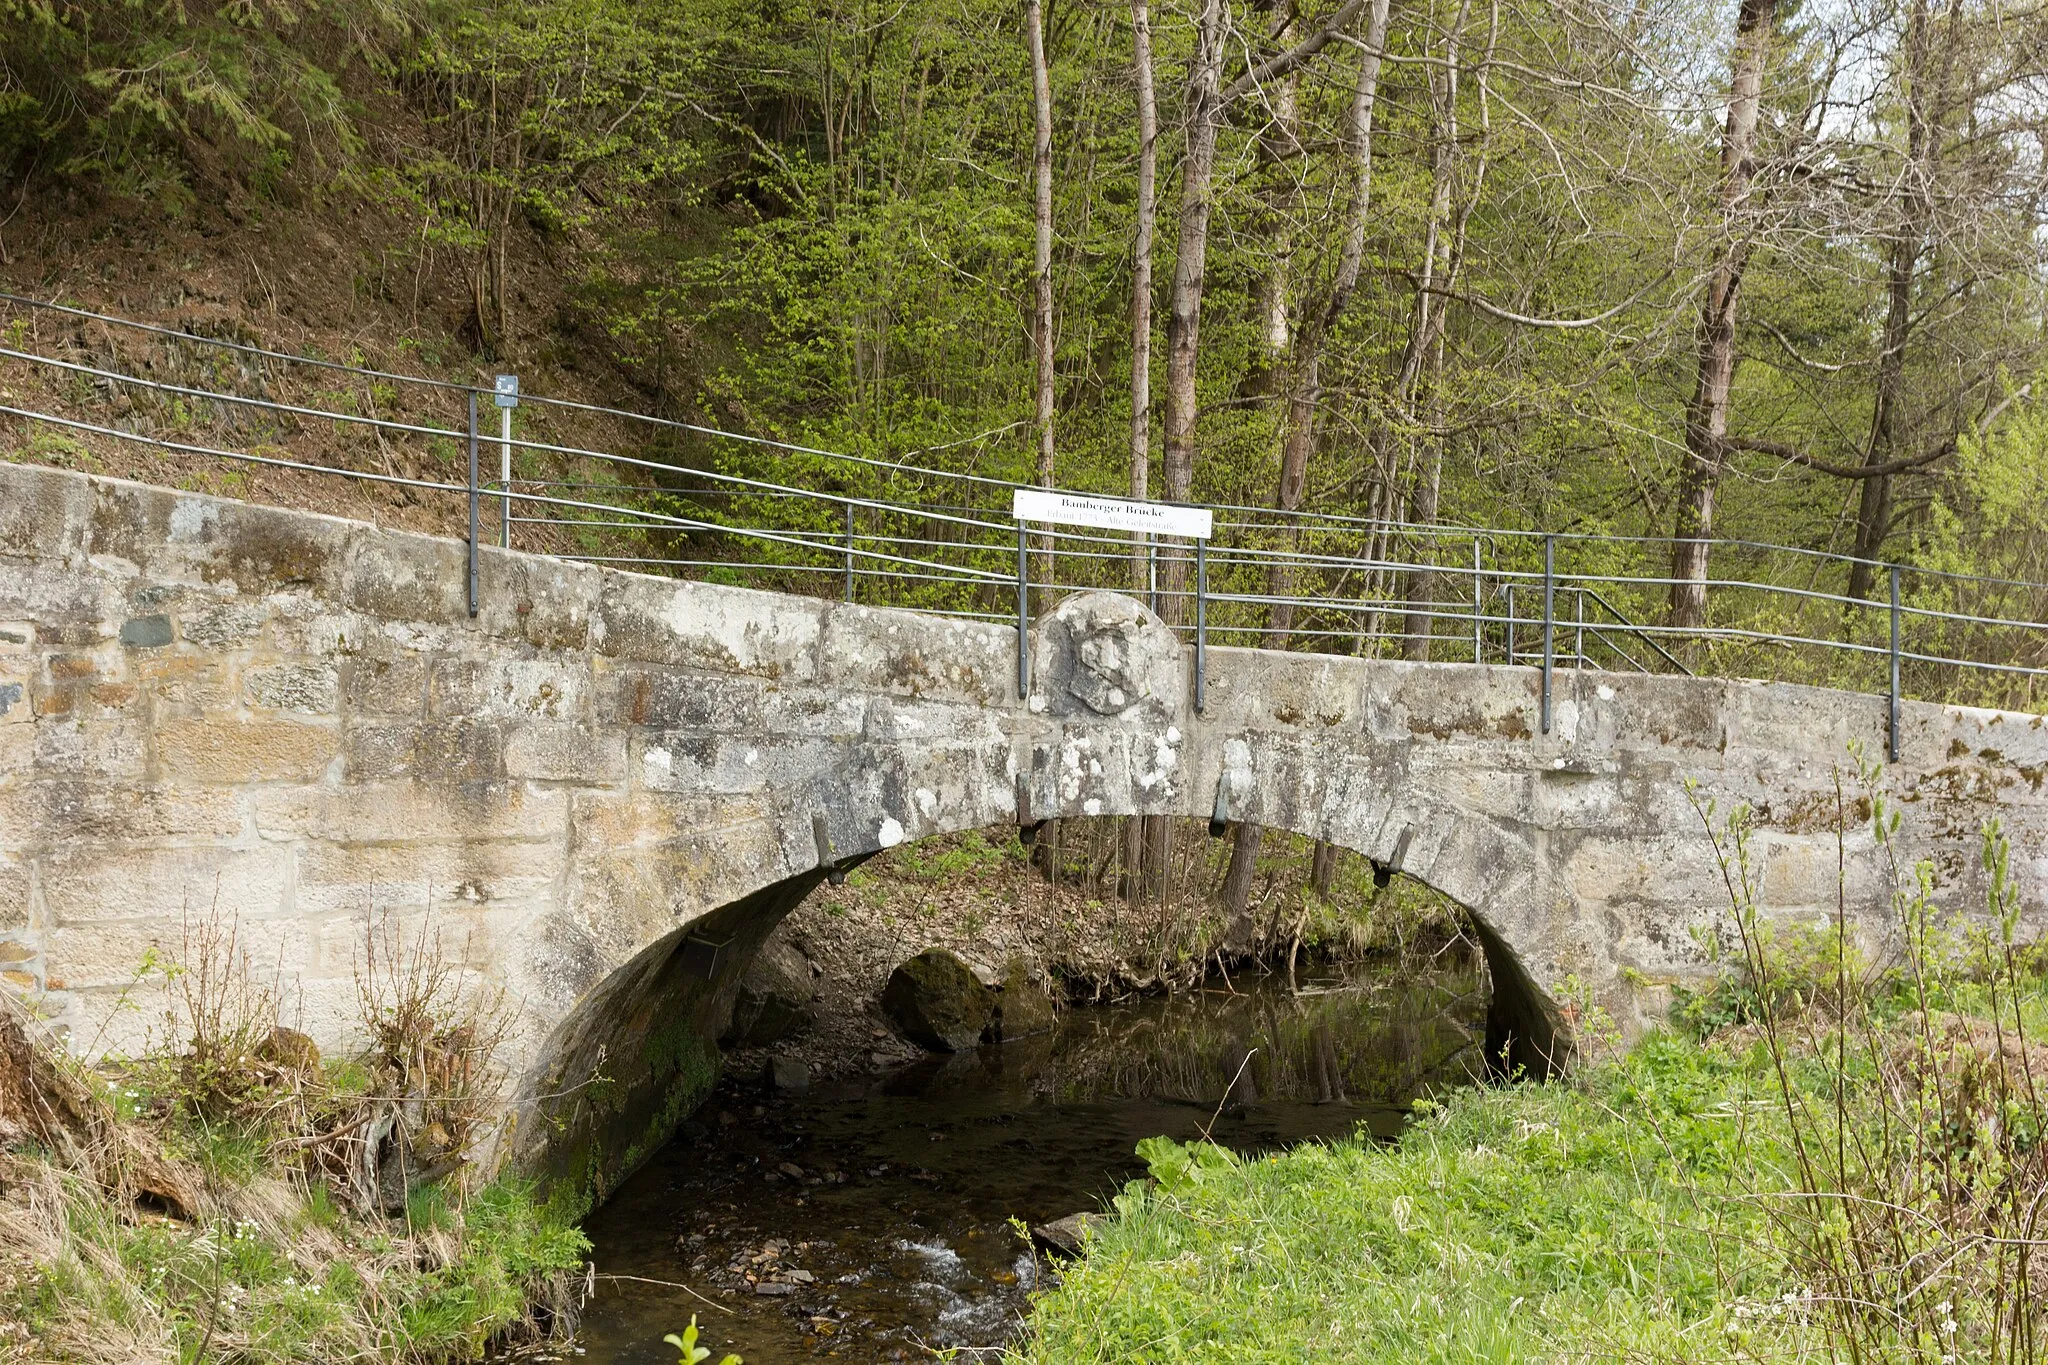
(224, 625)
(384, 686)
(548, 603)
(111, 954)
(86, 884)
(228, 750)
(706, 626)
(410, 812)
(55, 810)
(395, 942)
(17, 749)
(901, 653)
(722, 765)
(335, 879)
(407, 577)
(566, 753)
(86, 746)
(71, 668)
(669, 699)
(454, 751)
(520, 689)
(604, 820)
(326, 1009)
(44, 514)
(16, 891)
(68, 606)
(15, 707)
(146, 632)
(177, 537)
(307, 688)
(185, 682)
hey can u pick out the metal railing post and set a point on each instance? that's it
(1892, 728)
(1579, 617)
(505, 449)
(1201, 623)
(472, 502)
(1023, 614)
(1478, 605)
(1152, 576)
(1507, 593)
(849, 552)
(1549, 621)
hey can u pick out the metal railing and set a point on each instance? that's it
(695, 501)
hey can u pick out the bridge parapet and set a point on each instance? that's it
(297, 718)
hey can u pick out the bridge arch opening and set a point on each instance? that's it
(644, 1047)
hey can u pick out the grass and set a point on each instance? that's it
(230, 1195)
(1839, 1159)
(274, 1271)
(1537, 1222)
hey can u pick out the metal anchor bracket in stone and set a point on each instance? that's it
(1027, 828)
(1233, 786)
(1383, 872)
(821, 835)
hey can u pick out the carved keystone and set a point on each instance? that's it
(1103, 654)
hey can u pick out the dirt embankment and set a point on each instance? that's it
(341, 279)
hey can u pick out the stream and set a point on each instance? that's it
(870, 1219)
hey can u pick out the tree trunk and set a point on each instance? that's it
(1237, 884)
(1874, 507)
(1184, 317)
(1422, 364)
(1146, 835)
(1141, 269)
(1041, 322)
(1323, 869)
(1706, 416)
(1304, 399)
(1279, 144)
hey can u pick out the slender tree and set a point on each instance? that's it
(1304, 397)
(1147, 837)
(1706, 415)
(1141, 261)
(1041, 263)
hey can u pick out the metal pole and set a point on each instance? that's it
(505, 466)
(472, 502)
(849, 552)
(1508, 594)
(1023, 615)
(1549, 621)
(1478, 604)
(1892, 730)
(1152, 575)
(1201, 621)
(1579, 616)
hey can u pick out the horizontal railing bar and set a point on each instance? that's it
(270, 405)
(187, 448)
(1290, 517)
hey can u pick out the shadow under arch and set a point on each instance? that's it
(639, 1051)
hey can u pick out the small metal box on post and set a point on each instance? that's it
(506, 395)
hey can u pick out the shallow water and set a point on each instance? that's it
(876, 1211)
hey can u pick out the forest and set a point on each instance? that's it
(1765, 270)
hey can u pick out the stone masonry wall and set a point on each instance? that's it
(211, 709)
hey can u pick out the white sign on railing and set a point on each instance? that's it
(1111, 514)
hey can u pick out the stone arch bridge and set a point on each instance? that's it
(605, 789)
